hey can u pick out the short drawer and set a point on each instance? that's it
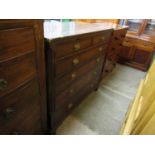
(71, 63)
(72, 46)
(15, 72)
(16, 42)
(102, 38)
(68, 79)
(20, 111)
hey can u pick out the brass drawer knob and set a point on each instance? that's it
(77, 46)
(70, 105)
(98, 60)
(76, 61)
(95, 73)
(102, 38)
(92, 86)
(71, 91)
(73, 75)
(3, 84)
(8, 112)
(100, 49)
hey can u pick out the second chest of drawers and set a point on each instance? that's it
(74, 66)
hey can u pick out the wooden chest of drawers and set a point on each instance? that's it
(74, 65)
(114, 49)
(22, 78)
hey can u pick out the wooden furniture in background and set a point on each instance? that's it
(114, 49)
(140, 118)
(22, 78)
(114, 21)
(139, 44)
(74, 62)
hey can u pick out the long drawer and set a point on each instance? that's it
(68, 65)
(73, 45)
(16, 42)
(65, 109)
(67, 80)
(16, 72)
(18, 108)
(78, 85)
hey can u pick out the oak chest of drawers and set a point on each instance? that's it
(74, 62)
(22, 78)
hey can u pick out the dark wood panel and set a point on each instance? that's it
(16, 72)
(18, 109)
(15, 42)
(22, 99)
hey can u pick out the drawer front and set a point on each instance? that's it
(65, 48)
(139, 44)
(102, 38)
(119, 34)
(74, 62)
(109, 65)
(20, 111)
(68, 79)
(60, 114)
(16, 42)
(70, 92)
(16, 72)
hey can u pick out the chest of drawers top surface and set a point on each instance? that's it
(55, 29)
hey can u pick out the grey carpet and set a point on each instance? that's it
(103, 111)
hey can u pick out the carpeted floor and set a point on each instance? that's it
(103, 111)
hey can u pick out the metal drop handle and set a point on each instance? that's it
(3, 84)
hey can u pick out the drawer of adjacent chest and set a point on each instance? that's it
(16, 42)
(20, 111)
(16, 72)
(72, 46)
(74, 62)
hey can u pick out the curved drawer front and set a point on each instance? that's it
(16, 42)
(20, 111)
(16, 72)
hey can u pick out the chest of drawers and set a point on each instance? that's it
(22, 78)
(114, 49)
(74, 65)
